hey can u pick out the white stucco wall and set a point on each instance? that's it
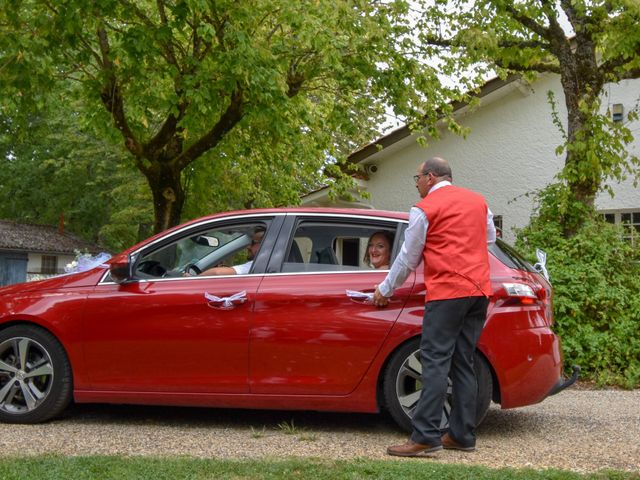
(509, 153)
(35, 262)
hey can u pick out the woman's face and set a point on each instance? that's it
(379, 251)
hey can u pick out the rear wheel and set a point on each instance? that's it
(35, 375)
(402, 386)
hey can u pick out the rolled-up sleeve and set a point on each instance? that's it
(410, 254)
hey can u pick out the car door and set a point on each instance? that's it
(308, 336)
(176, 333)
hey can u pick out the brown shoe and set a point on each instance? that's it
(449, 443)
(413, 449)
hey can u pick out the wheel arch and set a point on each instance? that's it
(495, 382)
(29, 323)
(381, 373)
(51, 375)
(495, 394)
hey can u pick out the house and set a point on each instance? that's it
(30, 252)
(508, 155)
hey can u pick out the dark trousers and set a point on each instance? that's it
(450, 332)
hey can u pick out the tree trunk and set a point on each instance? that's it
(168, 195)
(582, 85)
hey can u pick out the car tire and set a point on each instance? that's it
(36, 383)
(402, 386)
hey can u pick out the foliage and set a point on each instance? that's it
(54, 167)
(596, 280)
(234, 103)
(587, 43)
(104, 468)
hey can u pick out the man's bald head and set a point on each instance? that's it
(439, 167)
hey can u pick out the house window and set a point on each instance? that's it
(631, 224)
(617, 112)
(49, 264)
(630, 221)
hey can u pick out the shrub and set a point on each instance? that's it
(596, 280)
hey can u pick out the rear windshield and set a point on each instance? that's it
(507, 255)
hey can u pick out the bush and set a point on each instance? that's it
(596, 280)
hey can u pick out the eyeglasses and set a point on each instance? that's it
(417, 177)
(256, 242)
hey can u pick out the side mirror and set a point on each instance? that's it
(121, 268)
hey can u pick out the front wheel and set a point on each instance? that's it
(402, 386)
(35, 375)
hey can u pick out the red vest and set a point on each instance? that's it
(456, 257)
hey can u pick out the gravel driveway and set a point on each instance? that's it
(581, 430)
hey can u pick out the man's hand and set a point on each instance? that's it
(380, 300)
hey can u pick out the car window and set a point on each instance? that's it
(335, 246)
(222, 245)
(507, 255)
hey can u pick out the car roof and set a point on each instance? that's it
(302, 210)
(358, 212)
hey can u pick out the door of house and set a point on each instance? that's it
(13, 268)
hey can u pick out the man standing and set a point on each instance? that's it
(449, 229)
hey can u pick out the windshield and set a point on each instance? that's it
(507, 255)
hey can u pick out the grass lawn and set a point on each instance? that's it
(123, 468)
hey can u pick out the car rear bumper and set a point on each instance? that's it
(565, 382)
(528, 366)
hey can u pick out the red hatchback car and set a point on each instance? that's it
(152, 327)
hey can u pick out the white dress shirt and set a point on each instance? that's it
(244, 268)
(415, 237)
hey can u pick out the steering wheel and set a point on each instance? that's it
(152, 267)
(192, 269)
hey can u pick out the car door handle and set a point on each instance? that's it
(225, 303)
(360, 297)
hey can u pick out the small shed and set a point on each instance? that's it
(32, 252)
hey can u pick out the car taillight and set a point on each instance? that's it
(519, 294)
(519, 290)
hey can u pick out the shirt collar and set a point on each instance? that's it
(438, 185)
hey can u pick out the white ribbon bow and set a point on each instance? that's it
(227, 302)
(87, 262)
(542, 262)
(367, 297)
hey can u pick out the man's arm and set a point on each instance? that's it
(407, 260)
(242, 269)
(219, 271)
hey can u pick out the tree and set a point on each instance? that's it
(588, 43)
(54, 168)
(249, 93)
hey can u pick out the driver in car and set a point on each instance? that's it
(244, 268)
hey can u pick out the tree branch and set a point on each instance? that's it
(506, 43)
(167, 46)
(540, 67)
(527, 21)
(113, 101)
(164, 135)
(570, 12)
(438, 41)
(554, 26)
(229, 119)
(630, 74)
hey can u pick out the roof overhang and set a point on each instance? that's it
(396, 136)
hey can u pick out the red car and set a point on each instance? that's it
(149, 328)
